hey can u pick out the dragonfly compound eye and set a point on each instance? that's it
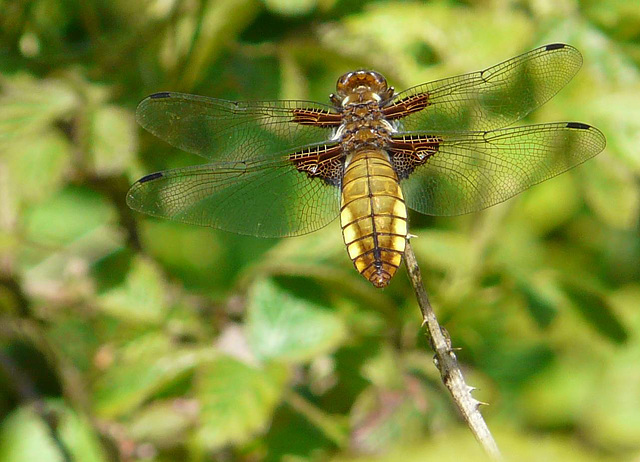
(361, 81)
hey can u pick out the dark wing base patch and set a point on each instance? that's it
(324, 161)
(410, 151)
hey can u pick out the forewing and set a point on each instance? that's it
(265, 198)
(472, 171)
(227, 131)
(489, 99)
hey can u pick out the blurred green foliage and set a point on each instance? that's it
(128, 338)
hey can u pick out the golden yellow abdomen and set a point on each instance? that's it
(373, 216)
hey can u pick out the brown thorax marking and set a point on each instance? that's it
(360, 93)
(364, 126)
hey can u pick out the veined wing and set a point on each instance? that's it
(221, 130)
(270, 197)
(488, 99)
(457, 173)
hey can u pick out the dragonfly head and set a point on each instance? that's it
(360, 87)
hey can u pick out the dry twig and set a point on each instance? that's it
(447, 362)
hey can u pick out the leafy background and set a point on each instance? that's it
(128, 338)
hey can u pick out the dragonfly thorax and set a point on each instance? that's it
(363, 126)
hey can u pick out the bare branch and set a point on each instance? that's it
(447, 362)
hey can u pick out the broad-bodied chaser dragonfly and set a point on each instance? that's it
(285, 168)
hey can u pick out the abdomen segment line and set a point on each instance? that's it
(373, 215)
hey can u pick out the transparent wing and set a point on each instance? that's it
(474, 170)
(489, 99)
(221, 130)
(266, 198)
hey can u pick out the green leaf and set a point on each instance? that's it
(291, 7)
(617, 114)
(236, 400)
(24, 436)
(612, 416)
(163, 423)
(71, 230)
(197, 255)
(112, 139)
(553, 398)
(608, 183)
(620, 18)
(322, 248)
(382, 418)
(442, 249)
(597, 312)
(613, 413)
(67, 216)
(142, 368)
(384, 370)
(512, 363)
(541, 208)
(283, 326)
(74, 341)
(36, 165)
(542, 294)
(28, 105)
(140, 298)
(387, 35)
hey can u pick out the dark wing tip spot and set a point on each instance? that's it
(555, 46)
(150, 177)
(162, 94)
(578, 125)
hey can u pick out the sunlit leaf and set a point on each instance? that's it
(548, 205)
(140, 298)
(455, 445)
(141, 368)
(612, 184)
(36, 165)
(618, 17)
(322, 247)
(66, 234)
(384, 370)
(283, 326)
(383, 418)
(237, 400)
(67, 216)
(164, 423)
(291, 7)
(605, 62)
(441, 249)
(112, 139)
(28, 105)
(25, 437)
(617, 113)
(401, 38)
(554, 398)
(612, 417)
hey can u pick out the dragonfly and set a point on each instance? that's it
(289, 167)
